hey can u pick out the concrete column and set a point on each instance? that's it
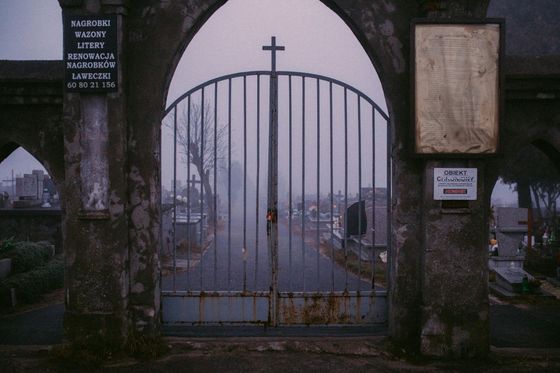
(454, 315)
(95, 221)
(455, 272)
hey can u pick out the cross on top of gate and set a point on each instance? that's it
(273, 48)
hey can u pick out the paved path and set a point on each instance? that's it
(228, 267)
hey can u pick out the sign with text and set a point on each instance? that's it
(90, 53)
(456, 87)
(455, 184)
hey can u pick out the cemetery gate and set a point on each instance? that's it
(275, 202)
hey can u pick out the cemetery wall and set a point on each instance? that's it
(31, 112)
(32, 225)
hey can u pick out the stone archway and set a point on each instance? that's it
(122, 295)
(382, 29)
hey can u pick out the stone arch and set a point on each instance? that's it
(551, 151)
(528, 123)
(125, 293)
(382, 30)
(158, 34)
(8, 147)
(31, 112)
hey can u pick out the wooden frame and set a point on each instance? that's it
(456, 87)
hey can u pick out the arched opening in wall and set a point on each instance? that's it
(31, 30)
(275, 173)
(524, 250)
(32, 268)
(28, 191)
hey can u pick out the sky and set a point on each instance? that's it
(316, 40)
(236, 34)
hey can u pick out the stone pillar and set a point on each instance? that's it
(95, 223)
(455, 309)
(455, 271)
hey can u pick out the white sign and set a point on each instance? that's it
(455, 184)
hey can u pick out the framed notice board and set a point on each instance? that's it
(90, 53)
(457, 83)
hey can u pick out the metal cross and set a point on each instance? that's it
(273, 48)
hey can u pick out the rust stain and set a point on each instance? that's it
(288, 311)
(358, 312)
(254, 308)
(316, 309)
(201, 308)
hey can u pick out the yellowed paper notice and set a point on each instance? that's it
(457, 107)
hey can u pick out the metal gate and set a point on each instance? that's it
(275, 202)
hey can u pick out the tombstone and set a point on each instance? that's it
(46, 199)
(190, 228)
(511, 227)
(356, 219)
(5, 268)
(511, 278)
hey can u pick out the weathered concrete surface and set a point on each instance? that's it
(95, 240)
(31, 112)
(532, 26)
(455, 310)
(455, 320)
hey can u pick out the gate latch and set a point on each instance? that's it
(271, 216)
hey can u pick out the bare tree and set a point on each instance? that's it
(202, 143)
(537, 180)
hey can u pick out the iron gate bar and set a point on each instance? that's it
(290, 207)
(215, 212)
(389, 152)
(201, 266)
(174, 198)
(332, 180)
(188, 188)
(345, 187)
(303, 178)
(373, 203)
(273, 182)
(360, 191)
(244, 249)
(229, 183)
(318, 176)
(257, 212)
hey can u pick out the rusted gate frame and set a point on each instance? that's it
(303, 76)
(294, 308)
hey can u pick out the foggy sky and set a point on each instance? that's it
(316, 41)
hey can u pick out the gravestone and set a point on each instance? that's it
(511, 278)
(190, 228)
(356, 219)
(511, 228)
(5, 268)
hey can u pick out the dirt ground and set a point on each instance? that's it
(359, 354)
